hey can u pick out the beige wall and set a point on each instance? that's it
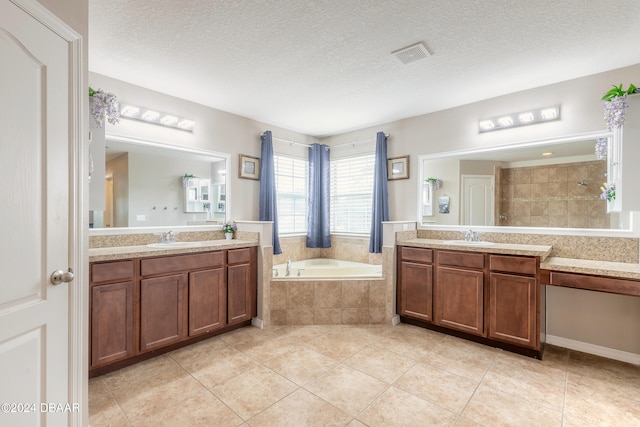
(215, 130)
(447, 130)
(457, 128)
(571, 314)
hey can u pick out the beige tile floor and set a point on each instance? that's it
(364, 376)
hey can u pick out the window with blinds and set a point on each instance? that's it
(352, 194)
(291, 189)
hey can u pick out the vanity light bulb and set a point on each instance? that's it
(505, 121)
(526, 117)
(549, 113)
(150, 115)
(129, 111)
(169, 120)
(487, 125)
(186, 124)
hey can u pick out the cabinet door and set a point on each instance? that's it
(111, 322)
(458, 299)
(513, 315)
(207, 301)
(239, 293)
(161, 311)
(416, 290)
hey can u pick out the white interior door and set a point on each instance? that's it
(477, 199)
(35, 183)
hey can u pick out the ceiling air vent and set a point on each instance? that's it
(411, 53)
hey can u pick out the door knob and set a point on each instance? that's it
(60, 276)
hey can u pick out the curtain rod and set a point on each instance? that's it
(344, 144)
(288, 141)
(331, 146)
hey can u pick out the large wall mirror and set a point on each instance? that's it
(150, 184)
(552, 184)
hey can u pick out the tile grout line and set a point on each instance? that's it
(495, 356)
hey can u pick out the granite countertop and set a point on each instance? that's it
(141, 251)
(625, 270)
(496, 248)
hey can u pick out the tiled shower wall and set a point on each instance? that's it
(551, 196)
(343, 248)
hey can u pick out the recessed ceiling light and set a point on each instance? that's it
(547, 153)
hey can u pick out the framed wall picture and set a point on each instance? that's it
(398, 168)
(249, 167)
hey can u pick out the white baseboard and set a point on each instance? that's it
(257, 322)
(585, 347)
(395, 320)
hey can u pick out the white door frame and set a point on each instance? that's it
(78, 209)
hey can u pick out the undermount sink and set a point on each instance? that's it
(467, 242)
(174, 245)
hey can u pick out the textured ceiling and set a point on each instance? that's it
(323, 67)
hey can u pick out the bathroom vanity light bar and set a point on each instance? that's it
(524, 118)
(147, 115)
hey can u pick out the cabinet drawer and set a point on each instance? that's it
(595, 283)
(238, 256)
(513, 264)
(461, 259)
(177, 263)
(417, 254)
(111, 271)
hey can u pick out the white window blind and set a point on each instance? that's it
(352, 194)
(291, 189)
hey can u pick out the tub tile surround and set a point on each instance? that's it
(354, 249)
(331, 302)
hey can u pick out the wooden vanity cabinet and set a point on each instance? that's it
(241, 285)
(207, 300)
(415, 283)
(513, 300)
(162, 310)
(459, 291)
(490, 298)
(146, 306)
(112, 312)
(166, 314)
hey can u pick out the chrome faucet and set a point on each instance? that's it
(169, 237)
(288, 270)
(468, 236)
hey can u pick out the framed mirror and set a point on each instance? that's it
(545, 185)
(151, 184)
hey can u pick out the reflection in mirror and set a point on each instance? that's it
(151, 185)
(551, 183)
